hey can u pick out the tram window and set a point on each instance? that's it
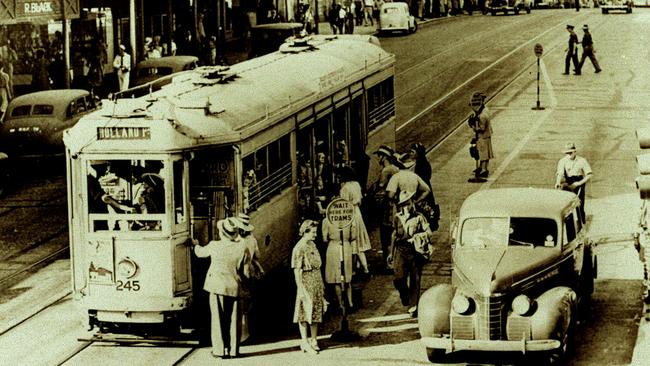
(179, 207)
(381, 103)
(266, 172)
(122, 194)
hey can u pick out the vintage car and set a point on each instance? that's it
(522, 270)
(395, 17)
(507, 6)
(617, 5)
(155, 68)
(267, 38)
(34, 123)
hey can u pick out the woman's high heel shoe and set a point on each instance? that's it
(306, 348)
(314, 344)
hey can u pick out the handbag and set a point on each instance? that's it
(473, 150)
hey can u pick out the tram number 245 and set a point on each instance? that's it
(127, 285)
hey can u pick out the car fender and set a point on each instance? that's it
(433, 310)
(554, 312)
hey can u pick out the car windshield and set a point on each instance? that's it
(391, 10)
(483, 232)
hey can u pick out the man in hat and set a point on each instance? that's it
(480, 122)
(572, 174)
(252, 268)
(588, 50)
(385, 154)
(223, 283)
(122, 65)
(572, 52)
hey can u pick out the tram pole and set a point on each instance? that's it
(539, 50)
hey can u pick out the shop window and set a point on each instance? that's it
(266, 172)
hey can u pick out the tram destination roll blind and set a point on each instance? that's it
(123, 133)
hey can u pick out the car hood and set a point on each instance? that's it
(494, 270)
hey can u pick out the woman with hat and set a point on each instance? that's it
(407, 263)
(306, 264)
(252, 268)
(223, 283)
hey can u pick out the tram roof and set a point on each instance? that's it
(212, 105)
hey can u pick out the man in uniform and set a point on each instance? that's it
(388, 169)
(572, 52)
(572, 174)
(588, 49)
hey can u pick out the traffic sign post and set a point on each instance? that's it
(539, 50)
(340, 213)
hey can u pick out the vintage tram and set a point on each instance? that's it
(148, 174)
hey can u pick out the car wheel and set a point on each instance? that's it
(415, 27)
(528, 10)
(436, 355)
(494, 13)
(516, 11)
(604, 11)
(558, 356)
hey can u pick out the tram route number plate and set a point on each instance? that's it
(340, 213)
(539, 50)
(127, 285)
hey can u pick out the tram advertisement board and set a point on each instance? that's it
(340, 213)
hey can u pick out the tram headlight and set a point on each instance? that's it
(522, 305)
(461, 304)
(127, 267)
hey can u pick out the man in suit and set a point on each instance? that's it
(572, 52)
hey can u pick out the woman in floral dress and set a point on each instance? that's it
(306, 264)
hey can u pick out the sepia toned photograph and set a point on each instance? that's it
(324, 182)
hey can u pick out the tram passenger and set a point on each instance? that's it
(338, 259)
(310, 302)
(385, 154)
(407, 264)
(351, 191)
(253, 268)
(323, 179)
(223, 283)
(98, 200)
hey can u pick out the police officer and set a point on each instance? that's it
(572, 52)
(588, 49)
(572, 174)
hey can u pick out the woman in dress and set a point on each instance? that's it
(351, 191)
(338, 259)
(223, 283)
(306, 264)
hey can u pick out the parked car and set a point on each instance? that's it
(396, 17)
(267, 38)
(155, 68)
(522, 266)
(34, 123)
(506, 6)
(617, 5)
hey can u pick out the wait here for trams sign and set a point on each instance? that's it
(340, 213)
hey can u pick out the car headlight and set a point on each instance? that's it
(461, 304)
(522, 305)
(127, 267)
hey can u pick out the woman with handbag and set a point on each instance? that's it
(410, 250)
(310, 302)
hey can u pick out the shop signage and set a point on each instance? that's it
(123, 133)
(29, 10)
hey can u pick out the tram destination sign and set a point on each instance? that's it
(123, 133)
(340, 213)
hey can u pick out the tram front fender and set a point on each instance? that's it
(433, 310)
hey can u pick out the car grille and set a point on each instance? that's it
(518, 329)
(462, 327)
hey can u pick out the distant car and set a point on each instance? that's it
(396, 17)
(523, 269)
(34, 123)
(617, 5)
(267, 38)
(506, 6)
(155, 68)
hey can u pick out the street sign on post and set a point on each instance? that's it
(340, 213)
(539, 51)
